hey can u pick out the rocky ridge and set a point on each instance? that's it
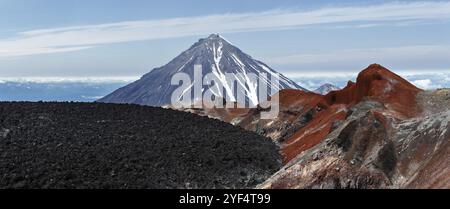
(378, 132)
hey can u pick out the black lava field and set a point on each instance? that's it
(92, 145)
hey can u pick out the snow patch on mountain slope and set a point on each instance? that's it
(226, 63)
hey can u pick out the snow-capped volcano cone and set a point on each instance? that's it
(218, 58)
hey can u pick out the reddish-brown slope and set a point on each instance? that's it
(375, 83)
(296, 107)
(306, 118)
(314, 132)
(294, 102)
(291, 98)
(378, 83)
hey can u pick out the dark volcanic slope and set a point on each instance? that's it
(82, 145)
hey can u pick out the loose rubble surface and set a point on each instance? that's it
(90, 145)
(364, 153)
(434, 101)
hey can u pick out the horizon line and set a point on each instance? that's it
(131, 78)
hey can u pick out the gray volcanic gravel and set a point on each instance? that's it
(92, 145)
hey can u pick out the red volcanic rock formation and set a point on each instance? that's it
(297, 108)
(363, 153)
(371, 134)
(314, 132)
(375, 83)
(306, 118)
(379, 84)
(380, 132)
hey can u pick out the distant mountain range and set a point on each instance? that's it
(326, 88)
(217, 57)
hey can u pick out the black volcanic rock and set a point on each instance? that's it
(92, 145)
(217, 56)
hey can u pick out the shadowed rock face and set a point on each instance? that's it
(77, 145)
(380, 132)
(423, 147)
(363, 153)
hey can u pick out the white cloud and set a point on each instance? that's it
(447, 78)
(91, 97)
(425, 84)
(55, 40)
(427, 80)
(13, 52)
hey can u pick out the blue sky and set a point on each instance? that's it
(113, 38)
